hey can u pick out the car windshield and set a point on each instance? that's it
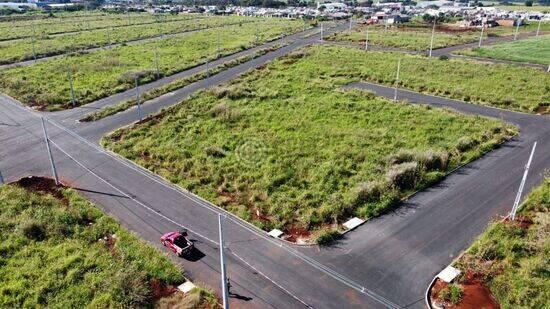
(180, 242)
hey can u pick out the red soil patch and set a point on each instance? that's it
(521, 221)
(475, 295)
(294, 233)
(42, 185)
(160, 289)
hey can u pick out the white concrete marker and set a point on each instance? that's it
(275, 233)
(448, 274)
(353, 223)
(186, 287)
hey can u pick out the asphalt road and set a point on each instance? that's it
(386, 262)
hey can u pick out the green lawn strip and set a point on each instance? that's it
(527, 89)
(45, 85)
(180, 83)
(532, 50)
(20, 50)
(63, 252)
(511, 258)
(83, 24)
(284, 147)
(418, 37)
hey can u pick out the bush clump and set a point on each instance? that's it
(326, 237)
(403, 176)
(465, 143)
(34, 231)
(214, 151)
(452, 293)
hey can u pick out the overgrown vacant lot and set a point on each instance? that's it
(57, 250)
(417, 37)
(511, 258)
(102, 73)
(534, 50)
(527, 89)
(47, 45)
(410, 38)
(81, 22)
(284, 147)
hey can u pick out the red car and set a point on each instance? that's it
(177, 242)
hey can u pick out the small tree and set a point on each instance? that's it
(528, 3)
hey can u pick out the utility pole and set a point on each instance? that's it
(1, 178)
(207, 69)
(54, 171)
(538, 27)
(321, 31)
(396, 80)
(522, 184)
(517, 29)
(222, 265)
(367, 39)
(70, 77)
(350, 22)
(432, 39)
(137, 98)
(33, 41)
(481, 36)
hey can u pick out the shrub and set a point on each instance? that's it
(465, 143)
(214, 151)
(433, 160)
(368, 192)
(328, 236)
(443, 57)
(34, 231)
(402, 156)
(452, 293)
(404, 175)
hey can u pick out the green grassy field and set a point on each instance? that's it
(19, 50)
(284, 147)
(533, 50)
(177, 84)
(410, 38)
(102, 73)
(512, 258)
(26, 29)
(417, 37)
(57, 250)
(523, 8)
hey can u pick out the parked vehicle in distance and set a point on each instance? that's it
(177, 242)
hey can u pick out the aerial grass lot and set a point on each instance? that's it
(533, 50)
(285, 147)
(81, 22)
(511, 258)
(409, 38)
(417, 37)
(57, 250)
(45, 85)
(47, 45)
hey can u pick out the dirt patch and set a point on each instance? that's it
(297, 234)
(475, 295)
(43, 185)
(160, 289)
(521, 221)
